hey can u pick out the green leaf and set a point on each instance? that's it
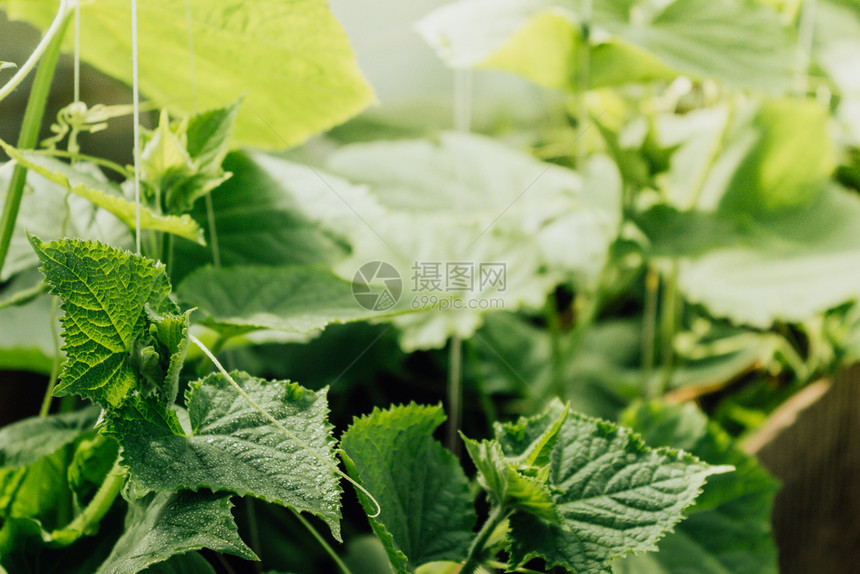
(427, 513)
(260, 222)
(104, 292)
(174, 523)
(104, 194)
(509, 485)
(30, 346)
(190, 563)
(468, 200)
(46, 211)
(614, 495)
(295, 299)
(790, 161)
(728, 530)
(292, 62)
(181, 162)
(23, 443)
(93, 459)
(789, 269)
(740, 43)
(545, 51)
(231, 446)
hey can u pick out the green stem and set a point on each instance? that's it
(476, 550)
(55, 367)
(668, 327)
(30, 127)
(455, 392)
(98, 506)
(649, 330)
(553, 321)
(56, 30)
(326, 546)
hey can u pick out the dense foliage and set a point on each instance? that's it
(622, 290)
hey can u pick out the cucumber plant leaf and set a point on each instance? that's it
(260, 222)
(729, 528)
(181, 161)
(105, 294)
(46, 211)
(766, 213)
(170, 523)
(24, 442)
(427, 513)
(613, 493)
(293, 299)
(104, 194)
(740, 43)
(230, 446)
(295, 66)
(469, 200)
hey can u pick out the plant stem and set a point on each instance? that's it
(31, 125)
(56, 30)
(455, 392)
(553, 321)
(55, 368)
(326, 546)
(474, 559)
(649, 330)
(253, 531)
(668, 328)
(98, 506)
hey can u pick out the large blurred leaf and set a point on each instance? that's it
(771, 239)
(294, 299)
(741, 43)
(728, 529)
(50, 211)
(466, 200)
(260, 221)
(290, 59)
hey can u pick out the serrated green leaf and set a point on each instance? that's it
(209, 136)
(104, 194)
(295, 299)
(23, 443)
(175, 523)
(614, 495)
(292, 61)
(509, 485)
(530, 440)
(232, 447)
(739, 43)
(181, 161)
(427, 513)
(104, 292)
(728, 530)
